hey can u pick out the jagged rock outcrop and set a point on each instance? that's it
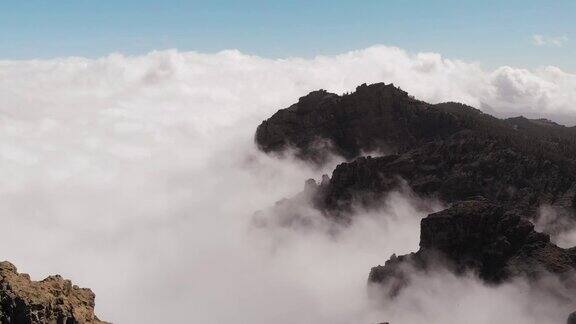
(494, 173)
(53, 300)
(481, 237)
(449, 151)
(463, 166)
(378, 117)
(384, 118)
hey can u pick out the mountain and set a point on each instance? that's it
(481, 237)
(449, 151)
(381, 118)
(493, 174)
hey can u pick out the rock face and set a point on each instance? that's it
(571, 318)
(53, 300)
(481, 237)
(383, 118)
(464, 166)
(449, 151)
(494, 173)
(378, 117)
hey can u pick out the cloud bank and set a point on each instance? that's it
(138, 177)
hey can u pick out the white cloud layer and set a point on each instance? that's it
(138, 177)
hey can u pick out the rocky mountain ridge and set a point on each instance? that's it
(481, 237)
(493, 174)
(53, 300)
(383, 118)
(448, 151)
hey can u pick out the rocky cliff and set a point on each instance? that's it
(483, 238)
(493, 173)
(374, 118)
(449, 151)
(385, 119)
(53, 300)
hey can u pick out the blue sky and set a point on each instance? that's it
(491, 32)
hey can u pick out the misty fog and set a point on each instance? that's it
(138, 177)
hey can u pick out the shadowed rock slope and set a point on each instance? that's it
(53, 300)
(481, 237)
(381, 117)
(463, 166)
(374, 118)
(494, 173)
(449, 150)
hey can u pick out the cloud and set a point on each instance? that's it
(557, 41)
(137, 176)
(559, 223)
(442, 297)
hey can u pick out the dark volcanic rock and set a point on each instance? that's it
(449, 150)
(378, 117)
(571, 318)
(52, 300)
(462, 166)
(383, 118)
(494, 172)
(483, 238)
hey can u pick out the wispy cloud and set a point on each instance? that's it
(541, 40)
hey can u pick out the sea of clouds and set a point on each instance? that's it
(137, 176)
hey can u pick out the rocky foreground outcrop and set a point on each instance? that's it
(53, 300)
(481, 237)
